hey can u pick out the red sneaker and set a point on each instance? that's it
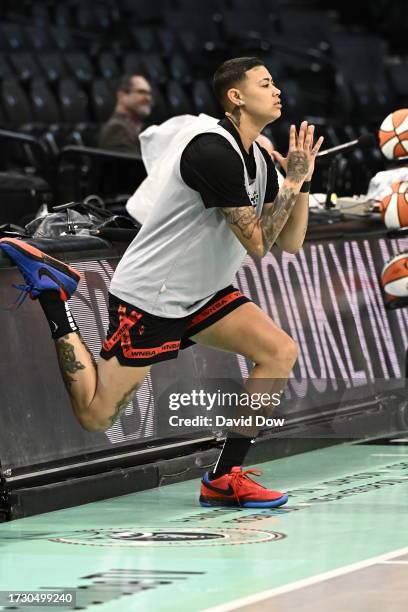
(237, 489)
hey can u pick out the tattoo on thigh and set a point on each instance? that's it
(122, 404)
(67, 361)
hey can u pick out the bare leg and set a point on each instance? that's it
(98, 392)
(251, 333)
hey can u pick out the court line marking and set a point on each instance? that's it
(299, 584)
(388, 455)
(394, 563)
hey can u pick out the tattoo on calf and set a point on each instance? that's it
(67, 361)
(122, 404)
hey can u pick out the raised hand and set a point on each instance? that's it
(258, 234)
(300, 161)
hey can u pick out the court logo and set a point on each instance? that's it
(159, 537)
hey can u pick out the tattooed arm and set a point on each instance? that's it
(293, 234)
(259, 234)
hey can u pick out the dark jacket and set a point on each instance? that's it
(121, 133)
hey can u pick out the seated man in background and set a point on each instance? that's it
(133, 105)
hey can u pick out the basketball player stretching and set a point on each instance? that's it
(218, 199)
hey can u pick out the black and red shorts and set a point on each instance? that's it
(138, 338)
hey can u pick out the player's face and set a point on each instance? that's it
(260, 95)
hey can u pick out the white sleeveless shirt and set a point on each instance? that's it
(184, 252)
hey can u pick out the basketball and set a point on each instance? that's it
(394, 206)
(394, 276)
(393, 134)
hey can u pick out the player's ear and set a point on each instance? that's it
(234, 97)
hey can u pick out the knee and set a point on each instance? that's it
(290, 351)
(92, 423)
(284, 350)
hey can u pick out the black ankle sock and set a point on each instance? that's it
(58, 314)
(233, 453)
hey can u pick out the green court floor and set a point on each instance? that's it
(159, 550)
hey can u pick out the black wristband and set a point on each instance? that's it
(305, 187)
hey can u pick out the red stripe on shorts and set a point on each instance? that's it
(224, 301)
(126, 322)
(135, 353)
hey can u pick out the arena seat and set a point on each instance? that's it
(62, 38)
(248, 24)
(43, 103)
(21, 197)
(93, 17)
(144, 38)
(132, 63)
(15, 104)
(160, 111)
(38, 37)
(200, 24)
(80, 66)
(211, 6)
(107, 65)
(397, 73)
(293, 99)
(5, 68)
(204, 99)
(73, 102)
(142, 11)
(179, 69)
(178, 102)
(3, 120)
(25, 66)
(306, 27)
(83, 170)
(52, 65)
(168, 41)
(12, 37)
(153, 67)
(25, 154)
(102, 100)
(189, 42)
(263, 6)
(39, 14)
(366, 78)
(62, 14)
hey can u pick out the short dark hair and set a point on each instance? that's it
(231, 73)
(125, 82)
